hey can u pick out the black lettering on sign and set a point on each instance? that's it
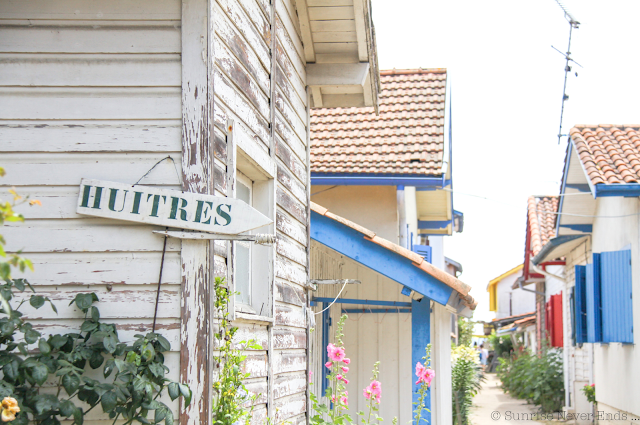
(113, 194)
(223, 214)
(97, 197)
(175, 208)
(136, 203)
(156, 204)
(203, 209)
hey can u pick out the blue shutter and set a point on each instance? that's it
(617, 311)
(424, 250)
(580, 305)
(594, 309)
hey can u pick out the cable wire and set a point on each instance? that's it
(334, 300)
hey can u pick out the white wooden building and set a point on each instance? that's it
(382, 185)
(597, 233)
(106, 89)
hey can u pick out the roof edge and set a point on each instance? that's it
(413, 71)
(505, 274)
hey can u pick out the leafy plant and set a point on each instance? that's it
(36, 370)
(373, 394)
(230, 393)
(465, 331)
(425, 374)
(466, 379)
(535, 378)
(502, 345)
(336, 392)
(590, 392)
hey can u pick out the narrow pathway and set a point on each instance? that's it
(493, 407)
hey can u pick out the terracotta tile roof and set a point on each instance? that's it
(609, 153)
(418, 261)
(406, 138)
(542, 220)
(515, 315)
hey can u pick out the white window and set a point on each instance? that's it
(254, 264)
(244, 191)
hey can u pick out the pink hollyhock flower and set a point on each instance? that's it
(367, 393)
(333, 398)
(345, 369)
(428, 375)
(346, 393)
(339, 377)
(328, 365)
(336, 354)
(346, 381)
(375, 387)
(377, 398)
(310, 376)
(346, 361)
(593, 385)
(419, 370)
(344, 401)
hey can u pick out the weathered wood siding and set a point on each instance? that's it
(260, 84)
(369, 337)
(92, 89)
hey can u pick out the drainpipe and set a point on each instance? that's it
(403, 232)
(519, 280)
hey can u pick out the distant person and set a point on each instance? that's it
(484, 354)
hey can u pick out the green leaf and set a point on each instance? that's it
(40, 373)
(164, 343)
(110, 343)
(96, 360)
(36, 301)
(31, 336)
(159, 415)
(174, 390)
(186, 393)
(78, 416)
(67, 408)
(89, 396)
(71, 383)
(157, 369)
(88, 326)
(84, 301)
(109, 401)
(19, 283)
(95, 313)
(168, 420)
(108, 368)
(45, 402)
(57, 341)
(43, 346)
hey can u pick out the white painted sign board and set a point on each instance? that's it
(168, 208)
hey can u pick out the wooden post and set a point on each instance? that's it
(420, 338)
(197, 176)
(441, 354)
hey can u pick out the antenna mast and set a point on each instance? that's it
(573, 23)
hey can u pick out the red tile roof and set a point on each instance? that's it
(609, 153)
(406, 138)
(418, 261)
(542, 220)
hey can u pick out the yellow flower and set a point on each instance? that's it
(9, 409)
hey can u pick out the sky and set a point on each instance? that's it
(506, 86)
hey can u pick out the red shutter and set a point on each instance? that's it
(556, 321)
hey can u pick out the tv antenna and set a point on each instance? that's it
(573, 23)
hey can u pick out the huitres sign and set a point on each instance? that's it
(168, 208)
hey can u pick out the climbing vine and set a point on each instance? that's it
(230, 394)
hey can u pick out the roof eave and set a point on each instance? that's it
(342, 72)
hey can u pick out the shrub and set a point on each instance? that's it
(466, 378)
(537, 379)
(502, 345)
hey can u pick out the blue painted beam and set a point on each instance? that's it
(584, 228)
(362, 302)
(375, 310)
(406, 291)
(352, 244)
(420, 338)
(433, 224)
(363, 179)
(625, 190)
(326, 323)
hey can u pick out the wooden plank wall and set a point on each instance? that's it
(92, 89)
(369, 337)
(260, 84)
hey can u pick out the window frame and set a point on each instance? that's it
(245, 156)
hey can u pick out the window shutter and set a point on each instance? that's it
(424, 250)
(557, 333)
(617, 310)
(594, 306)
(580, 305)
